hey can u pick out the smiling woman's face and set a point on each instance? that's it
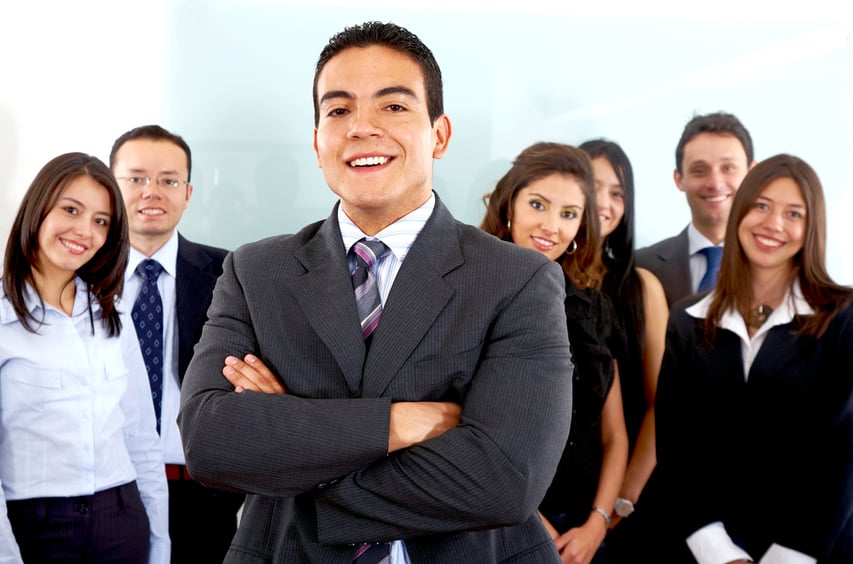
(546, 214)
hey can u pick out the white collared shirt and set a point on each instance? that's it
(167, 256)
(712, 544)
(399, 237)
(76, 412)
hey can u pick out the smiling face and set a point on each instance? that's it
(546, 215)
(772, 231)
(609, 194)
(374, 139)
(713, 167)
(153, 210)
(74, 229)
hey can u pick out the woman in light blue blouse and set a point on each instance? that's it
(80, 462)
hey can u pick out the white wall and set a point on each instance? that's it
(234, 78)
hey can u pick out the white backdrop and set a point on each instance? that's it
(234, 78)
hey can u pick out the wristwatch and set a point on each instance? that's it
(623, 507)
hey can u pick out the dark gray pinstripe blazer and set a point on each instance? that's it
(669, 260)
(469, 319)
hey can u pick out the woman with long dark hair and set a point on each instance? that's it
(546, 202)
(81, 471)
(642, 313)
(755, 402)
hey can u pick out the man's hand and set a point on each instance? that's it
(413, 422)
(251, 374)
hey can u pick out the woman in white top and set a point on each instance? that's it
(755, 399)
(80, 463)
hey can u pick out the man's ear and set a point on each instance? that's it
(678, 179)
(316, 150)
(442, 131)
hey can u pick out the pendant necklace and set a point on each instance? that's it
(758, 315)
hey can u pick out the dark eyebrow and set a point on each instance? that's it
(387, 91)
(396, 90)
(335, 94)
(82, 205)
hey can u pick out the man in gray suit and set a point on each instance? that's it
(712, 157)
(431, 437)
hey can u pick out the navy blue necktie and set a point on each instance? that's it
(712, 258)
(147, 315)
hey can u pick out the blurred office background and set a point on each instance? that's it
(234, 78)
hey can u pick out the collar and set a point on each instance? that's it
(792, 304)
(399, 236)
(33, 304)
(696, 241)
(167, 256)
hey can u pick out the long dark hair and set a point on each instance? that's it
(621, 282)
(540, 160)
(734, 290)
(103, 273)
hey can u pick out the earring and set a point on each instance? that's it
(573, 246)
(509, 224)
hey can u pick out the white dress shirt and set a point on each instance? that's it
(399, 237)
(712, 544)
(170, 401)
(76, 412)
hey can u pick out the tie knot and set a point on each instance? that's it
(712, 256)
(366, 252)
(149, 269)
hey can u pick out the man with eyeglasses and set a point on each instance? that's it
(152, 166)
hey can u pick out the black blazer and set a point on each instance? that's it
(669, 260)
(469, 319)
(198, 267)
(771, 457)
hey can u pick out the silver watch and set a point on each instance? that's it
(623, 507)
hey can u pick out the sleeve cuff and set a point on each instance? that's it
(712, 544)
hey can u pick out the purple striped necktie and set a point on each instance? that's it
(373, 554)
(366, 254)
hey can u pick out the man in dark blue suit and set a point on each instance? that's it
(153, 169)
(712, 157)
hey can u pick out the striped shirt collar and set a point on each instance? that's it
(399, 236)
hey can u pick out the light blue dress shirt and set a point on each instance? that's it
(76, 415)
(167, 256)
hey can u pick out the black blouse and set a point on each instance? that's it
(590, 317)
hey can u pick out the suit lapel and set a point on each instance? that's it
(326, 297)
(192, 281)
(417, 297)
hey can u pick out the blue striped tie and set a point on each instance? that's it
(365, 254)
(147, 316)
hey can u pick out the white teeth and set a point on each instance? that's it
(369, 161)
(73, 246)
(768, 242)
(716, 199)
(543, 242)
(149, 211)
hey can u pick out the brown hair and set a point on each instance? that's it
(733, 290)
(103, 274)
(584, 267)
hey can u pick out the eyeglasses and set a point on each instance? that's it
(140, 181)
